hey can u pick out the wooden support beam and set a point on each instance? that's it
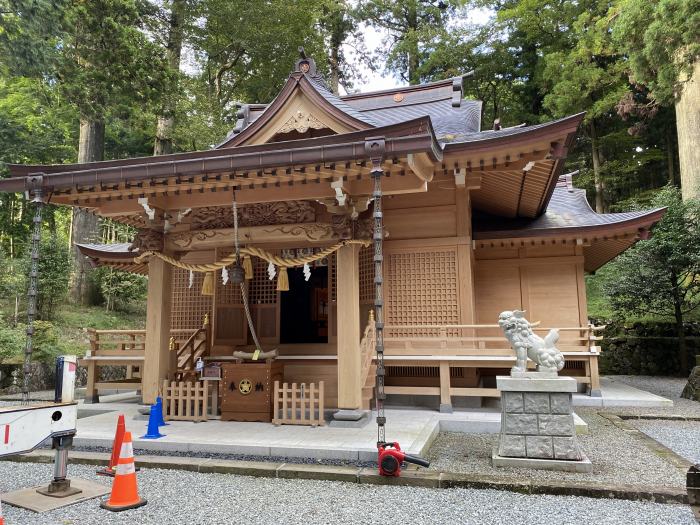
(348, 319)
(158, 358)
(421, 165)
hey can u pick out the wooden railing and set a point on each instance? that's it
(479, 346)
(475, 340)
(196, 346)
(298, 404)
(123, 343)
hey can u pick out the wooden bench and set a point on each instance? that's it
(113, 348)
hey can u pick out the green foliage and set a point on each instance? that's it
(246, 49)
(96, 51)
(120, 290)
(413, 26)
(661, 276)
(47, 344)
(54, 276)
(661, 39)
(12, 340)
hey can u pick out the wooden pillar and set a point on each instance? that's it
(465, 258)
(157, 354)
(348, 319)
(465, 273)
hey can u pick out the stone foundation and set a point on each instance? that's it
(537, 424)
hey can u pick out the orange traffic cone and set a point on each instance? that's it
(125, 494)
(116, 449)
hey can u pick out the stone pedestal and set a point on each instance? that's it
(537, 424)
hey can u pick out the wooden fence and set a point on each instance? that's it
(298, 404)
(185, 401)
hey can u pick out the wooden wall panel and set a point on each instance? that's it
(553, 294)
(312, 373)
(421, 223)
(497, 289)
(435, 196)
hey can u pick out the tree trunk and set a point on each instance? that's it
(597, 177)
(334, 60)
(166, 120)
(85, 225)
(680, 331)
(670, 157)
(688, 129)
(413, 59)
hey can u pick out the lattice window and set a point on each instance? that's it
(189, 306)
(332, 278)
(421, 289)
(263, 290)
(367, 291)
(228, 293)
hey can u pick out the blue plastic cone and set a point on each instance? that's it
(159, 404)
(152, 432)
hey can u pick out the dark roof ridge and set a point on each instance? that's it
(404, 89)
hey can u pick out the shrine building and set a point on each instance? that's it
(474, 222)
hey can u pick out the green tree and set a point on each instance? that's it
(54, 276)
(412, 27)
(662, 40)
(661, 276)
(99, 56)
(119, 289)
(247, 49)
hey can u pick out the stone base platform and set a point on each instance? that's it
(562, 465)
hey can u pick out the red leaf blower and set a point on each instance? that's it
(391, 457)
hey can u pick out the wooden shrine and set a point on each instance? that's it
(477, 219)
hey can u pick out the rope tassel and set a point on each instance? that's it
(248, 267)
(283, 280)
(208, 284)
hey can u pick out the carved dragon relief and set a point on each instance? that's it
(147, 239)
(263, 214)
(312, 231)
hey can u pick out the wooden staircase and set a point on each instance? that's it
(196, 346)
(368, 351)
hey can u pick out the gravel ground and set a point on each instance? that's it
(669, 387)
(186, 497)
(683, 437)
(617, 457)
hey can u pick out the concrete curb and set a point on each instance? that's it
(665, 417)
(365, 475)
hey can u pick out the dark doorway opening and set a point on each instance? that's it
(304, 307)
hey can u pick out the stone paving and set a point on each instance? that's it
(414, 429)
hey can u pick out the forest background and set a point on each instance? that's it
(105, 79)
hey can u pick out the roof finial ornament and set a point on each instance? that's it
(305, 64)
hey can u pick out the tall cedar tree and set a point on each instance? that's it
(662, 40)
(100, 56)
(412, 27)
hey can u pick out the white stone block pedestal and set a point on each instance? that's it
(537, 424)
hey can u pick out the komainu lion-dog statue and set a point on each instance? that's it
(526, 343)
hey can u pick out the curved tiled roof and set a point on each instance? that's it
(568, 210)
